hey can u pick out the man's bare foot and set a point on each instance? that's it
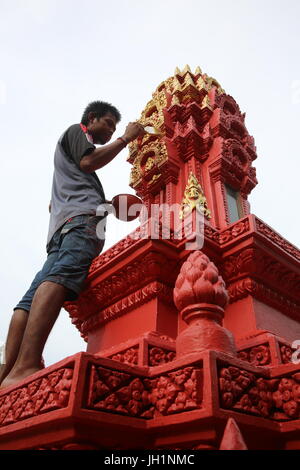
(14, 378)
(4, 370)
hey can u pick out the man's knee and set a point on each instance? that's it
(20, 315)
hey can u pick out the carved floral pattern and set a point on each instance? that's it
(258, 355)
(254, 260)
(242, 226)
(235, 231)
(286, 353)
(117, 392)
(152, 266)
(130, 356)
(236, 160)
(115, 250)
(141, 296)
(277, 239)
(277, 399)
(159, 356)
(40, 396)
(211, 233)
(176, 391)
(247, 286)
(163, 337)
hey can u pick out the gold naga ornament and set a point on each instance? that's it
(194, 198)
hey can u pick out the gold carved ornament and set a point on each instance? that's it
(152, 115)
(194, 198)
(153, 118)
(160, 156)
(149, 164)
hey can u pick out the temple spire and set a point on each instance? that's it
(200, 130)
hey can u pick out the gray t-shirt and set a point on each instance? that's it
(73, 191)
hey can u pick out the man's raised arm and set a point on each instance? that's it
(103, 155)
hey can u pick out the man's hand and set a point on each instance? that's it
(133, 130)
(103, 155)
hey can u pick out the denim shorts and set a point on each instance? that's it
(70, 254)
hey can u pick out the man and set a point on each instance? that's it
(72, 242)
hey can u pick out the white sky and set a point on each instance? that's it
(57, 56)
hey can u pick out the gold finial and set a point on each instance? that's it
(176, 84)
(177, 71)
(198, 71)
(206, 103)
(186, 69)
(201, 84)
(188, 80)
(175, 100)
(194, 198)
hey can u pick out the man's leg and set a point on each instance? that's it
(20, 317)
(21, 312)
(45, 308)
(72, 254)
(14, 339)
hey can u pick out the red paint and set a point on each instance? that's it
(232, 340)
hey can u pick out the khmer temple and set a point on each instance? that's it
(189, 344)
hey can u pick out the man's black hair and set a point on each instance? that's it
(100, 108)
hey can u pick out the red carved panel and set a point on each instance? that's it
(276, 399)
(153, 266)
(234, 231)
(159, 356)
(130, 356)
(131, 301)
(115, 250)
(176, 391)
(211, 233)
(286, 353)
(277, 239)
(123, 393)
(258, 355)
(254, 261)
(40, 396)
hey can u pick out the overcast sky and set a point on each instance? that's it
(56, 56)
